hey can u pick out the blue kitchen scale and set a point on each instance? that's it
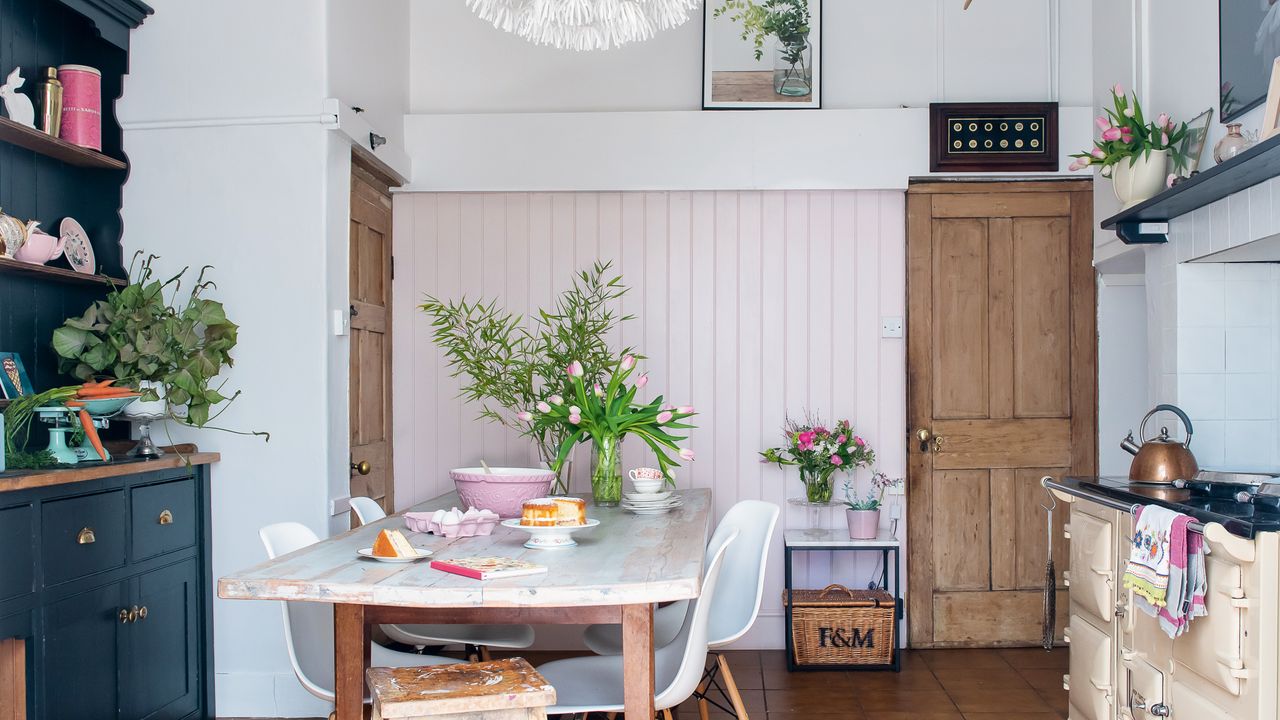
(64, 422)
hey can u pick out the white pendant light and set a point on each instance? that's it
(584, 24)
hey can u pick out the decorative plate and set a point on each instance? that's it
(368, 553)
(79, 250)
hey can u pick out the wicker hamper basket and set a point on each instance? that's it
(839, 626)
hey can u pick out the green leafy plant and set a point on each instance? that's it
(138, 335)
(787, 20)
(508, 366)
(880, 483)
(819, 452)
(1125, 134)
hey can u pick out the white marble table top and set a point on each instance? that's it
(836, 538)
(627, 559)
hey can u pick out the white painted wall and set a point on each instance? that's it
(231, 166)
(1122, 357)
(749, 305)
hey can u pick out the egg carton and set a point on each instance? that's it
(453, 523)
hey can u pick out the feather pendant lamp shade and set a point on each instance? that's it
(584, 24)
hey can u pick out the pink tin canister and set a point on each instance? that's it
(81, 105)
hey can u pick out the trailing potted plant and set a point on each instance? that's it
(1134, 153)
(863, 515)
(508, 367)
(818, 453)
(607, 414)
(172, 348)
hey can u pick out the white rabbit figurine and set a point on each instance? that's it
(16, 105)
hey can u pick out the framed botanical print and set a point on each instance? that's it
(760, 54)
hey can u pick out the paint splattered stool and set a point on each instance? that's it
(500, 690)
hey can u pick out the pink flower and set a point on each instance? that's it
(840, 440)
(1103, 122)
(1163, 120)
(859, 441)
(1079, 164)
(685, 410)
(835, 460)
(642, 381)
(599, 391)
(544, 408)
(628, 362)
(575, 419)
(686, 454)
(524, 416)
(1111, 134)
(1118, 90)
(664, 417)
(1098, 153)
(804, 440)
(575, 410)
(1168, 182)
(820, 430)
(1128, 112)
(1164, 139)
(556, 400)
(575, 369)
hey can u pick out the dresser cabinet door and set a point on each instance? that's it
(81, 654)
(82, 535)
(17, 574)
(160, 670)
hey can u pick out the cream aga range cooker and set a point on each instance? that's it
(1227, 665)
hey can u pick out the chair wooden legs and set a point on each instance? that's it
(735, 697)
(484, 653)
(666, 714)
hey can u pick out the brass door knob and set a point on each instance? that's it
(363, 467)
(923, 436)
(133, 614)
(124, 616)
(142, 613)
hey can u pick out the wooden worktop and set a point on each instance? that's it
(28, 479)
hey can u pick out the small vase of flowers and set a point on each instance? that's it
(1134, 152)
(605, 415)
(818, 452)
(863, 515)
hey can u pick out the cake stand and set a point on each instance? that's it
(556, 537)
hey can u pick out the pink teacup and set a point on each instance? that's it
(647, 480)
(40, 248)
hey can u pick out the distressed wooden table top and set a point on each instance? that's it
(626, 559)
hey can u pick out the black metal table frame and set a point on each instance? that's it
(885, 552)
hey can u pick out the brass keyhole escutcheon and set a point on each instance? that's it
(363, 467)
(937, 443)
(86, 536)
(166, 517)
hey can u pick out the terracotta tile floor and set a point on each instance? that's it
(1017, 684)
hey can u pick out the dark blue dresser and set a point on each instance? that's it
(106, 592)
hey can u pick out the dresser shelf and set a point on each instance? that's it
(17, 267)
(36, 141)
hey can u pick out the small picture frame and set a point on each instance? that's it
(1193, 143)
(13, 377)
(1271, 119)
(762, 56)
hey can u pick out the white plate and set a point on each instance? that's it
(368, 553)
(647, 497)
(549, 538)
(650, 511)
(78, 250)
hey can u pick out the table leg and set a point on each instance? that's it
(637, 661)
(350, 660)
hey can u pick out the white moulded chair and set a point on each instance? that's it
(507, 637)
(308, 626)
(734, 609)
(595, 683)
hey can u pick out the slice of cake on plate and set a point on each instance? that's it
(393, 544)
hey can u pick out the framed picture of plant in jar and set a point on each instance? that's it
(759, 54)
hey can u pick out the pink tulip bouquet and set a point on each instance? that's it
(607, 414)
(1124, 133)
(819, 452)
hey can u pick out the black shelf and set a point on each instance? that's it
(1256, 165)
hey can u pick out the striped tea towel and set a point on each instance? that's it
(1159, 535)
(1187, 587)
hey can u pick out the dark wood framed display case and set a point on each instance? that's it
(993, 137)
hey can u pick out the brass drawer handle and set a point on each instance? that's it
(166, 517)
(124, 616)
(86, 536)
(142, 613)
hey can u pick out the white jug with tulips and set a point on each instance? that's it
(1133, 152)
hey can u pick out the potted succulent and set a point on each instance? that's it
(171, 348)
(863, 515)
(1133, 152)
(818, 452)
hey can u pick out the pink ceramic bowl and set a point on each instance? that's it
(501, 490)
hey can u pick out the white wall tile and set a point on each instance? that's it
(1221, 225)
(1250, 444)
(1208, 442)
(1203, 230)
(1203, 395)
(1250, 303)
(1182, 237)
(1260, 220)
(1238, 219)
(1250, 396)
(1201, 350)
(1202, 299)
(1250, 350)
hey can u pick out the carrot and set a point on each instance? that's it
(90, 432)
(106, 392)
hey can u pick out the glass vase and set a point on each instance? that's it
(606, 472)
(1231, 144)
(817, 485)
(793, 68)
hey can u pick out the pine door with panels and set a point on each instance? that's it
(1001, 360)
(370, 383)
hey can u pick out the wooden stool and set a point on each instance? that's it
(501, 690)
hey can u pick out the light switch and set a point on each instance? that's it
(341, 322)
(891, 327)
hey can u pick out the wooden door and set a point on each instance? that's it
(1001, 359)
(370, 383)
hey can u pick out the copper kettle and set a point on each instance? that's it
(1161, 459)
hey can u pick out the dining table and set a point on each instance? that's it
(615, 574)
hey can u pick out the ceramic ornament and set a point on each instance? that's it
(16, 105)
